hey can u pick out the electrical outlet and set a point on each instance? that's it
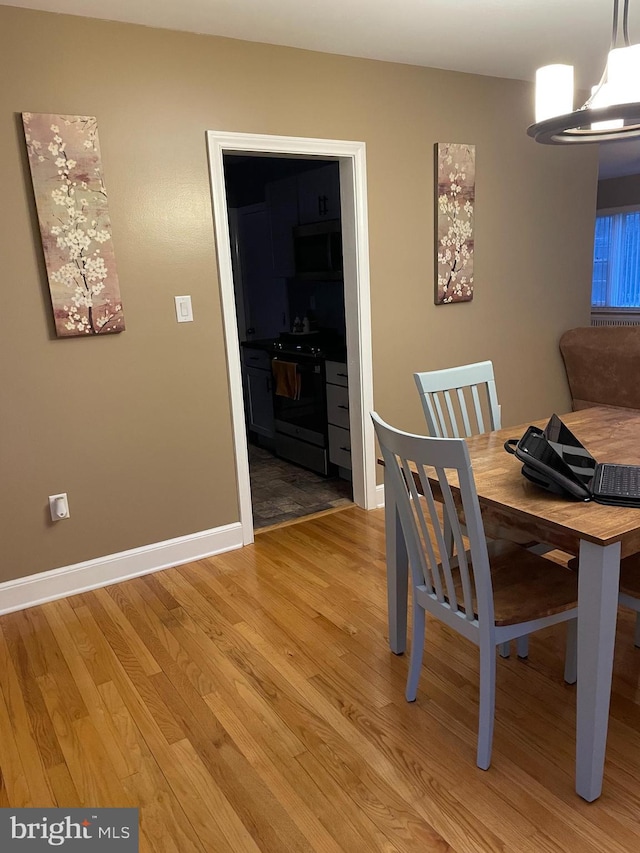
(59, 507)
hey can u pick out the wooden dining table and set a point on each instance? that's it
(599, 535)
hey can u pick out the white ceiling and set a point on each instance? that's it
(501, 38)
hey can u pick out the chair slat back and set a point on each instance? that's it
(457, 399)
(453, 577)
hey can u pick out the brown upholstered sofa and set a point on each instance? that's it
(603, 365)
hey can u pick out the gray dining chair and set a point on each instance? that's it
(490, 595)
(630, 590)
(629, 595)
(457, 402)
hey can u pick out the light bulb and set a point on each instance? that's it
(554, 91)
(604, 96)
(623, 74)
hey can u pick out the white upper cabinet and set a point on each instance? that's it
(282, 204)
(319, 194)
(301, 199)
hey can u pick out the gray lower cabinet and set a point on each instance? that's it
(338, 415)
(258, 396)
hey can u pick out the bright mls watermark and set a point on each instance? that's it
(79, 830)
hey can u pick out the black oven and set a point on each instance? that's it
(300, 409)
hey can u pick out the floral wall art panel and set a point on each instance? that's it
(71, 200)
(456, 172)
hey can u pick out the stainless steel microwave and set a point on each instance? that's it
(318, 250)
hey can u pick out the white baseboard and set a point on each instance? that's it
(81, 577)
(380, 495)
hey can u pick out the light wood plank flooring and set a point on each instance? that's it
(249, 702)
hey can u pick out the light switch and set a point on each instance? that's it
(184, 312)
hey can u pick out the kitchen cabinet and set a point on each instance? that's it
(282, 203)
(258, 398)
(261, 296)
(338, 416)
(312, 196)
(319, 194)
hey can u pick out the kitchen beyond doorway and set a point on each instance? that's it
(285, 238)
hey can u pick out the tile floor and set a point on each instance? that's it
(282, 491)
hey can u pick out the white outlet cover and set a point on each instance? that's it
(59, 506)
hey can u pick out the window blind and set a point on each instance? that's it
(616, 261)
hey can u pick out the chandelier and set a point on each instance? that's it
(611, 112)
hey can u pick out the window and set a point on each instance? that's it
(616, 260)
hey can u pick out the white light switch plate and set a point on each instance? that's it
(184, 311)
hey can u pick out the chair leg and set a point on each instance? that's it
(636, 638)
(504, 649)
(417, 648)
(522, 645)
(571, 654)
(487, 704)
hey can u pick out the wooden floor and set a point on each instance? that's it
(249, 702)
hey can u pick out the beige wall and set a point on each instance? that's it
(136, 427)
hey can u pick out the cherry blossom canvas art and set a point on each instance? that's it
(71, 201)
(456, 176)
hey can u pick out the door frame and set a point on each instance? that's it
(355, 238)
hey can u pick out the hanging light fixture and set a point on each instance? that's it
(611, 112)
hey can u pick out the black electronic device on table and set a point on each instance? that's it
(555, 460)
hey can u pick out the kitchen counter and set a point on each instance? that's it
(330, 351)
(266, 344)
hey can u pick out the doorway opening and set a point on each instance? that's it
(311, 337)
(286, 251)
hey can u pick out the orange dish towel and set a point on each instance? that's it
(287, 379)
